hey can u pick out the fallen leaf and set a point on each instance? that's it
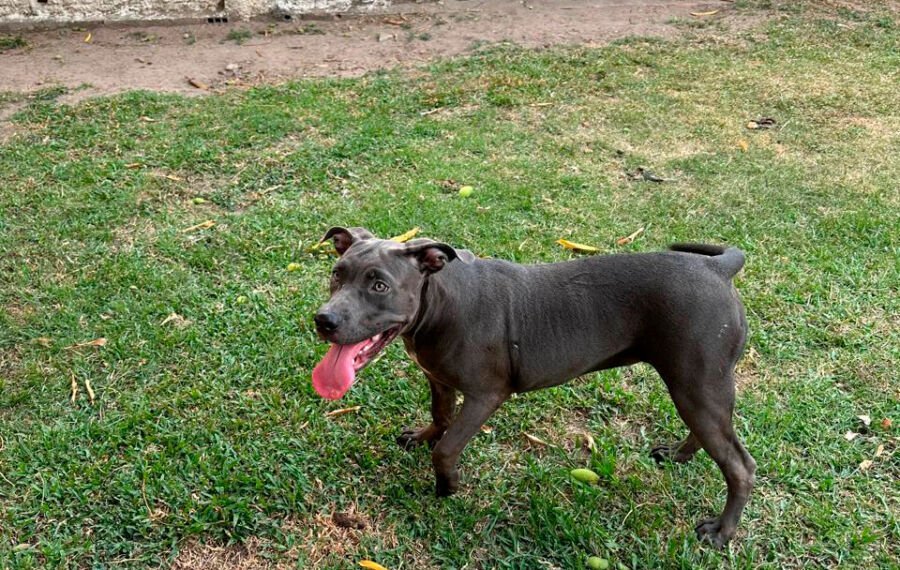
(577, 247)
(879, 450)
(74, 389)
(699, 14)
(171, 177)
(630, 238)
(371, 565)
(394, 21)
(43, 341)
(96, 342)
(864, 466)
(743, 145)
(346, 520)
(342, 411)
(175, 319)
(201, 226)
(752, 125)
(487, 429)
(148, 119)
(866, 420)
(886, 423)
(90, 391)
(851, 435)
(405, 237)
(87, 38)
(133, 165)
(537, 440)
(589, 441)
(198, 84)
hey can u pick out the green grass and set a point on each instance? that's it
(239, 35)
(206, 433)
(12, 42)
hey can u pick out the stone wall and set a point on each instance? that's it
(37, 12)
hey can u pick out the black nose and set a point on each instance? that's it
(326, 322)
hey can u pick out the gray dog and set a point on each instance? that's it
(491, 328)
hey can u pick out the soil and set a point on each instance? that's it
(95, 60)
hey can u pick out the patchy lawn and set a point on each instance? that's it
(205, 445)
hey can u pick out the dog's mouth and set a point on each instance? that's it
(335, 374)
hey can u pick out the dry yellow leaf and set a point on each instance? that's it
(577, 247)
(536, 440)
(342, 411)
(406, 236)
(201, 226)
(74, 389)
(864, 466)
(87, 38)
(90, 391)
(371, 565)
(630, 238)
(879, 451)
(743, 145)
(710, 13)
(96, 342)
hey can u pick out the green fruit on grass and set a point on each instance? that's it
(466, 191)
(293, 266)
(240, 300)
(199, 200)
(597, 563)
(585, 475)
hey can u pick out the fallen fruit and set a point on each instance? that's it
(241, 299)
(371, 565)
(293, 266)
(199, 200)
(597, 563)
(584, 475)
(466, 191)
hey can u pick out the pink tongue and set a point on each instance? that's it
(334, 375)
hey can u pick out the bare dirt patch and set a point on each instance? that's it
(165, 58)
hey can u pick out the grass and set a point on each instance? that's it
(12, 42)
(206, 439)
(239, 35)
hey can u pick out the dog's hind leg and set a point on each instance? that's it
(706, 405)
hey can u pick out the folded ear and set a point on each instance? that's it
(431, 256)
(345, 237)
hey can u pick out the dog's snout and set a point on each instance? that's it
(326, 321)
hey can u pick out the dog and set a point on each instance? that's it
(490, 328)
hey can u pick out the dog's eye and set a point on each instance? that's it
(380, 287)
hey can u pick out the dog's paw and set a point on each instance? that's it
(670, 453)
(446, 485)
(711, 531)
(412, 438)
(408, 439)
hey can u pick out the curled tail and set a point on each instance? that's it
(727, 261)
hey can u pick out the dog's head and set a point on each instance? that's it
(375, 296)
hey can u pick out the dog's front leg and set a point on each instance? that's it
(476, 409)
(443, 402)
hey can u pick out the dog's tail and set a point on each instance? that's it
(727, 261)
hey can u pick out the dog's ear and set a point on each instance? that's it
(430, 256)
(345, 237)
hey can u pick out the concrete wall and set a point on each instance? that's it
(24, 12)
